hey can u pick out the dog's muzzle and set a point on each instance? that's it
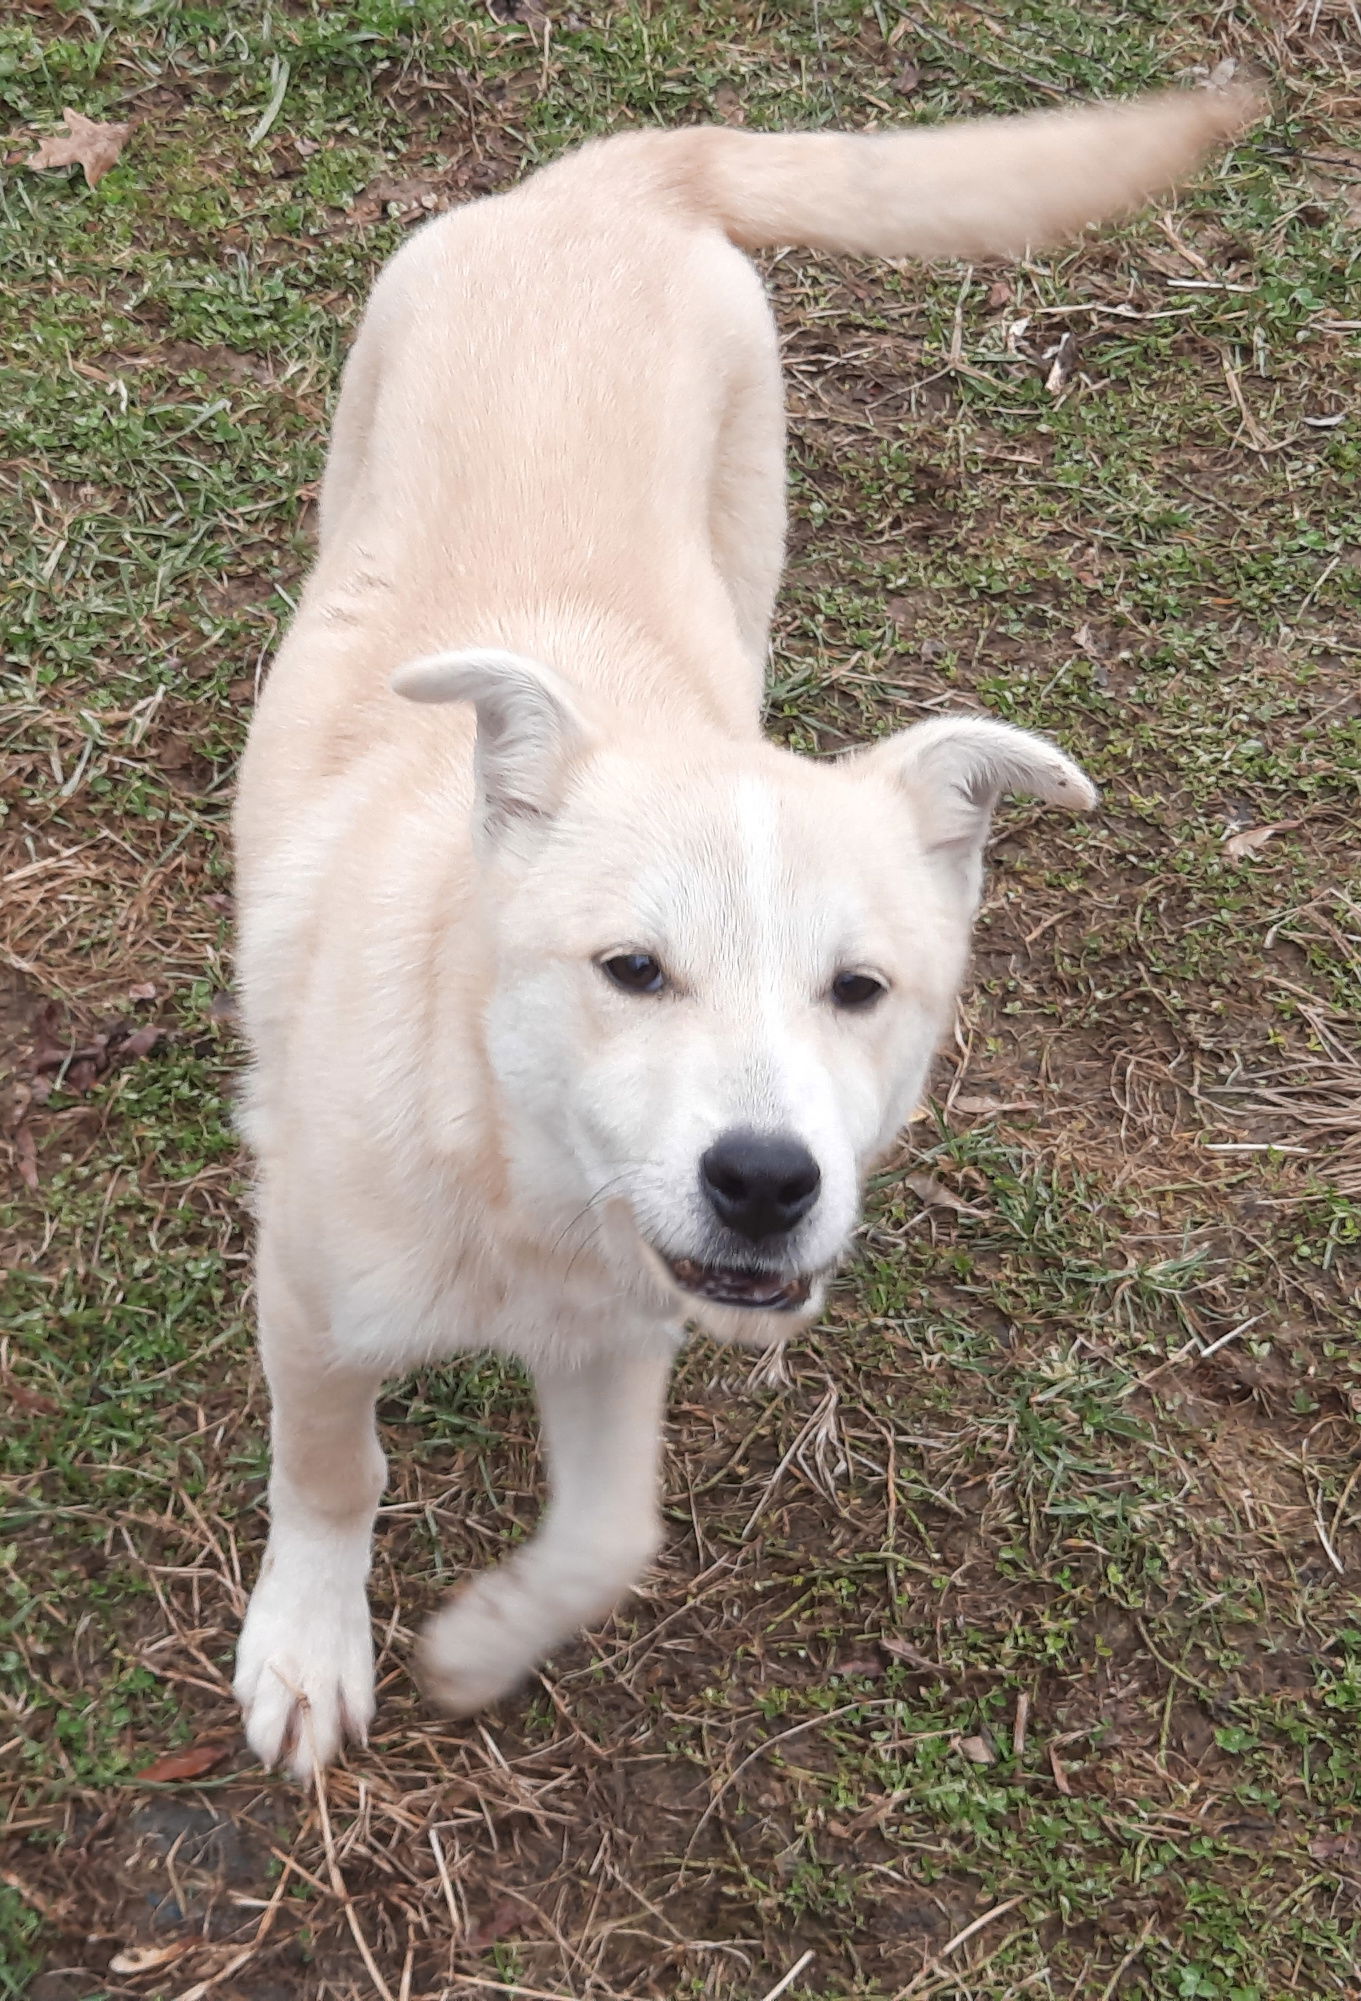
(730, 1285)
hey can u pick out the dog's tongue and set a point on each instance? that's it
(740, 1288)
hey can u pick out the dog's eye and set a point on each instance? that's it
(857, 990)
(635, 972)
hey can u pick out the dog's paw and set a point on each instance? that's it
(475, 1649)
(493, 1634)
(304, 1671)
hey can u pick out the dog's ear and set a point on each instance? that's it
(954, 770)
(529, 731)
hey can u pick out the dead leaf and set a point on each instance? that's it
(222, 1011)
(1060, 1776)
(1065, 360)
(59, 1061)
(29, 1400)
(977, 1750)
(907, 79)
(140, 1043)
(868, 1665)
(85, 143)
(999, 294)
(729, 106)
(1335, 1848)
(504, 1917)
(146, 1958)
(145, 992)
(60, 1058)
(190, 1763)
(1250, 839)
(937, 1196)
(175, 751)
(903, 1650)
(26, 1159)
(51, 1039)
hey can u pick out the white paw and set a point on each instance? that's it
(476, 1648)
(304, 1667)
(492, 1635)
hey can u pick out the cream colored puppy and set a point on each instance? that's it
(577, 1009)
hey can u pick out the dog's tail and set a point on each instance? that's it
(990, 187)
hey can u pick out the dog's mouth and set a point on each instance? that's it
(729, 1285)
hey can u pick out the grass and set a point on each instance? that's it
(1006, 1640)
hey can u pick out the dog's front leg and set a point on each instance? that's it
(304, 1667)
(602, 1425)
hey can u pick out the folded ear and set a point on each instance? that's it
(529, 730)
(954, 769)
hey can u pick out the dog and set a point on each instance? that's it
(577, 1010)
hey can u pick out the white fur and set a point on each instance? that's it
(555, 492)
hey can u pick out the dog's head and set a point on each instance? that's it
(722, 970)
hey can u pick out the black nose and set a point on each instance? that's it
(759, 1184)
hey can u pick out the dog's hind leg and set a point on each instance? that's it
(304, 1668)
(602, 1423)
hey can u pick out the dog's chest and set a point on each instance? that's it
(421, 1303)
